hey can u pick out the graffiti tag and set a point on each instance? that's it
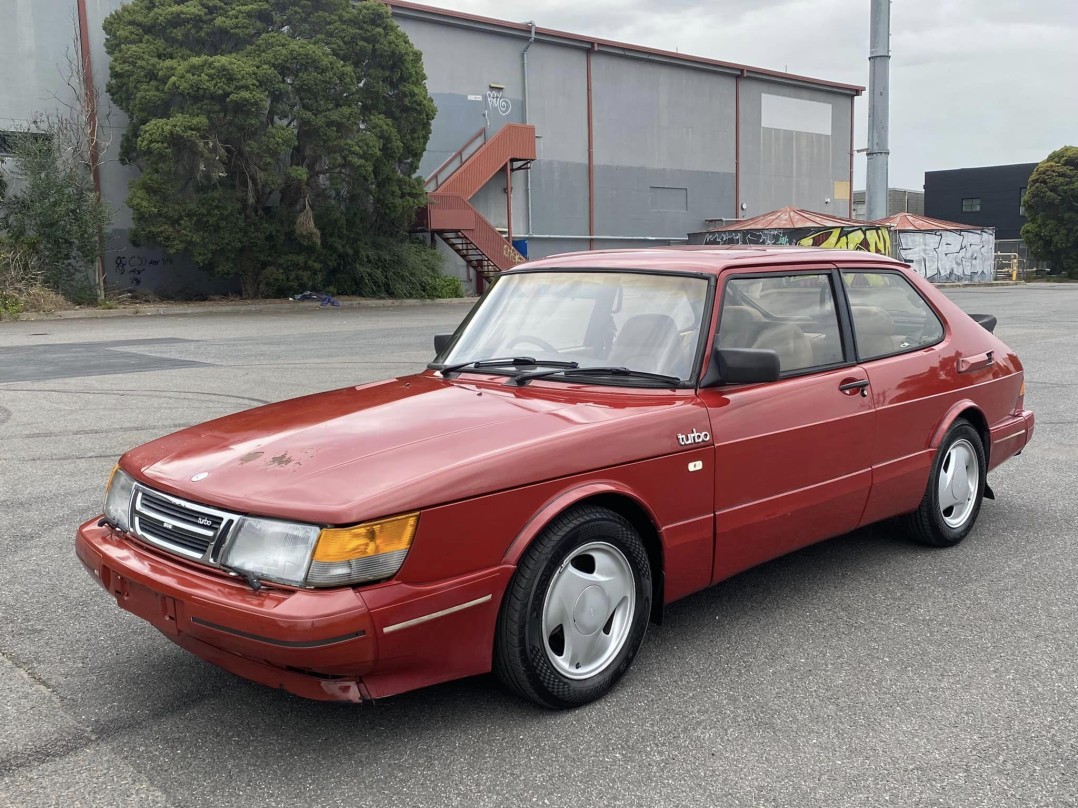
(133, 266)
(498, 102)
(865, 239)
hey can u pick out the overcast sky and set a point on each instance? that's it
(973, 82)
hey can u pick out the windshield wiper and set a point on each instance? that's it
(511, 361)
(524, 378)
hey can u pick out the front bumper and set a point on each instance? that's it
(332, 644)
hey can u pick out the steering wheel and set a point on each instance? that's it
(528, 339)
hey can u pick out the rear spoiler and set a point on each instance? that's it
(988, 321)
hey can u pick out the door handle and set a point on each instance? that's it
(976, 362)
(856, 384)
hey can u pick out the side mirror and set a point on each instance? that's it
(741, 366)
(441, 342)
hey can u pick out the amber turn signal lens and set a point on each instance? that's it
(371, 538)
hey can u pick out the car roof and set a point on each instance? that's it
(708, 258)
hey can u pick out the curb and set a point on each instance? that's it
(228, 308)
(982, 284)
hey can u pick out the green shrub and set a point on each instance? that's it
(10, 305)
(398, 269)
(445, 286)
(54, 216)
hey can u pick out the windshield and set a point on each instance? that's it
(640, 321)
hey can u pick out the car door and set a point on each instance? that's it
(793, 456)
(898, 337)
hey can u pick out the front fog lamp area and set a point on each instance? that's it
(118, 500)
(276, 551)
(369, 552)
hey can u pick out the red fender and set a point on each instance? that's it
(565, 499)
(945, 423)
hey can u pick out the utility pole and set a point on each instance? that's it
(879, 61)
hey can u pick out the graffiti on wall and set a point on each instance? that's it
(949, 255)
(863, 238)
(129, 267)
(866, 239)
(498, 102)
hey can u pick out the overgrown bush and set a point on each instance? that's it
(388, 268)
(21, 283)
(51, 215)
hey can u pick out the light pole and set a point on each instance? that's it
(879, 59)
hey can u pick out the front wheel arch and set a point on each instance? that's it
(623, 503)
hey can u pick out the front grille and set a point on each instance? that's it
(177, 525)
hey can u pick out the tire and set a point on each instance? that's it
(576, 610)
(955, 490)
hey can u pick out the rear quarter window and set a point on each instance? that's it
(889, 314)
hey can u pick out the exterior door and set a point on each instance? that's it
(899, 340)
(792, 457)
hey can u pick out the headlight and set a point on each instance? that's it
(118, 500)
(368, 552)
(276, 551)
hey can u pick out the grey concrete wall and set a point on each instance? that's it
(35, 39)
(461, 64)
(786, 156)
(664, 146)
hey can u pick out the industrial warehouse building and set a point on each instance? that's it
(613, 144)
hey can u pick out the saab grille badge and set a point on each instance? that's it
(202, 475)
(693, 437)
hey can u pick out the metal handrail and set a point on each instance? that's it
(458, 154)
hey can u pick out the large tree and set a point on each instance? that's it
(1051, 205)
(273, 136)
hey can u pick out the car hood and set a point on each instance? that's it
(363, 452)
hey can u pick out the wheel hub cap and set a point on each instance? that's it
(959, 479)
(588, 610)
(591, 610)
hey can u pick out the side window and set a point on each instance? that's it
(889, 316)
(792, 315)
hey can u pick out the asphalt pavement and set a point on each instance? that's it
(863, 671)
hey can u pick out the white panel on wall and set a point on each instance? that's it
(795, 114)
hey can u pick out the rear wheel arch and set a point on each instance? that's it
(970, 412)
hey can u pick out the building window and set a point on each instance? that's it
(971, 204)
(1022, 203)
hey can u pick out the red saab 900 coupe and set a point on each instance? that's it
(605, 433)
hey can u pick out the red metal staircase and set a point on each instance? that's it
(450, 215)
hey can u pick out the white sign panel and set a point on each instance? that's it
(795, 114)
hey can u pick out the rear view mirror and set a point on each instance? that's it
(741, 366)
(441, 342)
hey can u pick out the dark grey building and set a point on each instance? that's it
(990, 196)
